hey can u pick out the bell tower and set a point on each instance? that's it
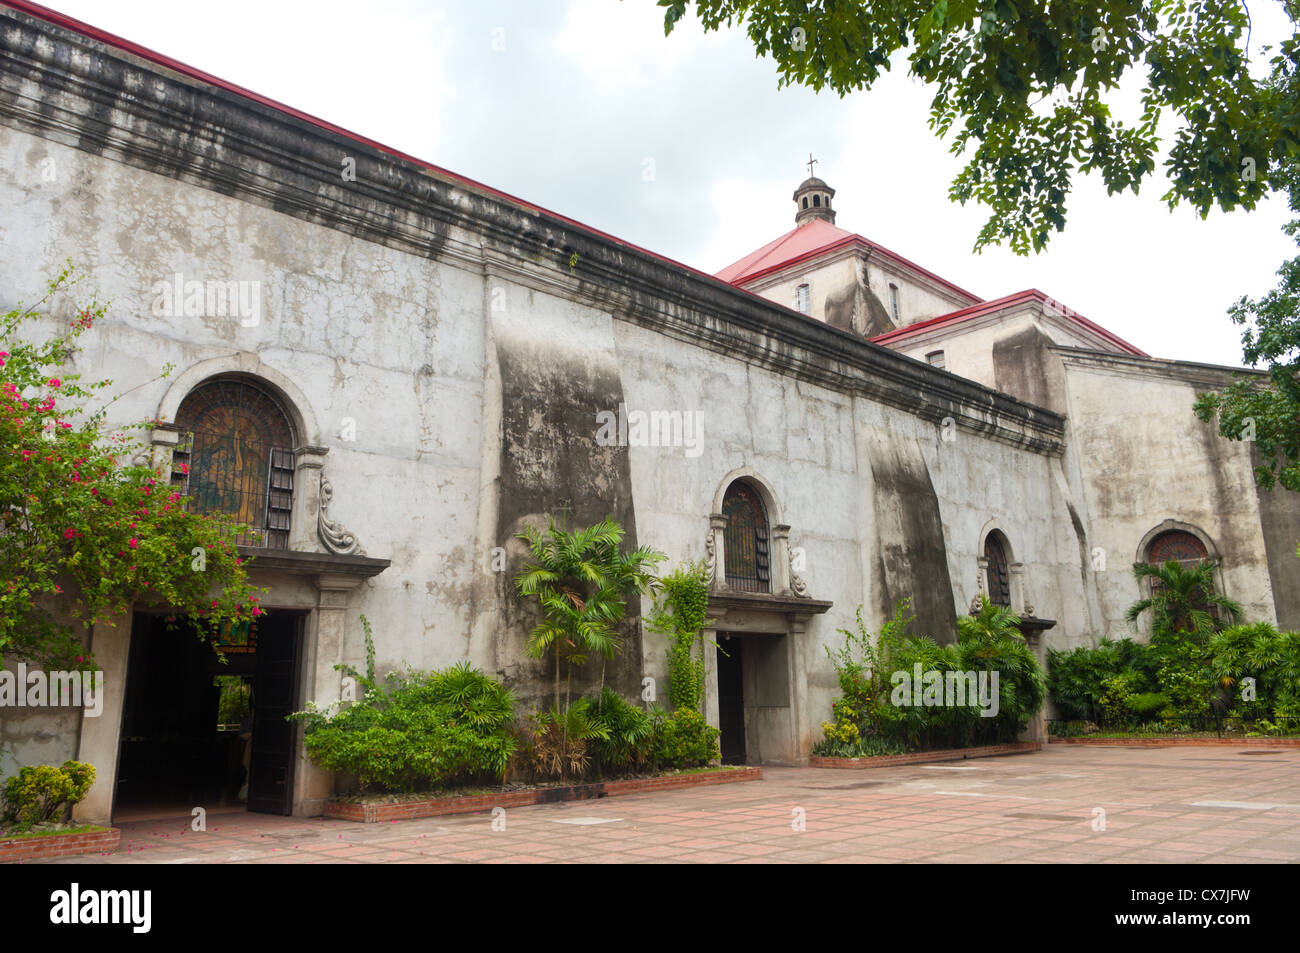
(812, 200)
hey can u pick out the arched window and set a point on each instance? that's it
(805, 201)
(1178, 545)
(746, 541)
(998, 572)
(236, 458)
(803, 299)
(817, 201)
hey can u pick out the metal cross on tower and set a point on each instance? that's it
(811, 163)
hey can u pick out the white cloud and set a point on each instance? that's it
(621, 45)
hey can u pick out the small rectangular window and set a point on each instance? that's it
(803, 300)
(935, 359)
(893, 300)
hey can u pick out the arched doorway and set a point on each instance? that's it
(198, 731)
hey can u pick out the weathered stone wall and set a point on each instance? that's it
(449, 350)
(1145, 458)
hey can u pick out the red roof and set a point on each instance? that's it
(1000, 304)
(809, 241)
(818, 235)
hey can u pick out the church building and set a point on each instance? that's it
(393, 369)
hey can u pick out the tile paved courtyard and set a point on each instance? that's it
(1162, 805)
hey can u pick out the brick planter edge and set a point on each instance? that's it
(19, 849)
(1168, 742)
(924, 757)
(409, 810)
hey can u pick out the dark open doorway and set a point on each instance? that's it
(731, 700)
(199, 733)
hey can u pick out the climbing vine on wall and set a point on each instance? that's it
(679, 613)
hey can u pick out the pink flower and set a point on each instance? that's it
(69, 533)
(133, 542)
(55, 382)
(256, 611)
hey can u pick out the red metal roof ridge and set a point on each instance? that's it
(135, 49)
(997, 304)
(763, 251)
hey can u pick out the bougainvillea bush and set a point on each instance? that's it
(87, 525)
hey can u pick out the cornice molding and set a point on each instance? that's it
(66, 87)
(1128, 365)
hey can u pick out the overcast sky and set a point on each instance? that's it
(685, 145)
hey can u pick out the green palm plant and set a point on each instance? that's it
(581, 582)
(1182, 602)
(991, 640)
(991, 624)
(1261, 652)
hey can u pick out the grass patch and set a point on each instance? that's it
(1088, 730)
(17, 834)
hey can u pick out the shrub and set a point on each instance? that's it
(421, 731)
(871, 717)
(1075, 678)
(684, 739)
(1147, 704)
(858, 748)
(1261, 653)
(35, 795)
(1184, 680)
(627, 733)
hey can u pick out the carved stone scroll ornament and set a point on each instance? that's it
(335, 537)
(977, 602)
(797, 585)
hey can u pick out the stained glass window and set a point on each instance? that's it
(999, 576)
(1184, 548)
(1178, 545)
(236, 458)
(746, 540)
